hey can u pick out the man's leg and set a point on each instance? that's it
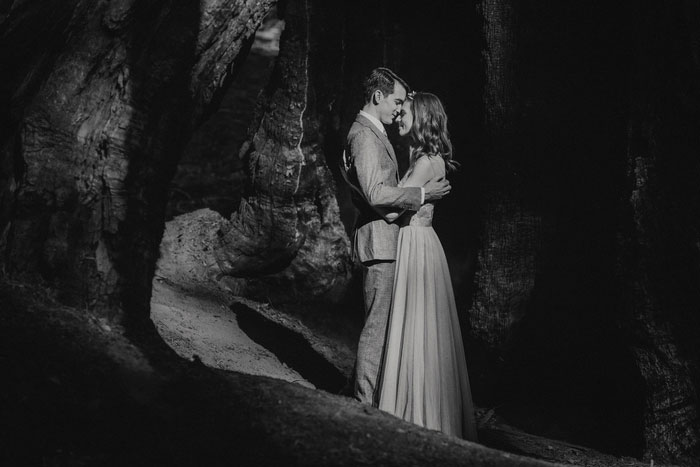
(378, 278)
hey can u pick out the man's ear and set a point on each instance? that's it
(377, 96)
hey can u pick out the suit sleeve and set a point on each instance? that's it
(373, 177)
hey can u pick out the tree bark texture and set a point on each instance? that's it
(103, 96)
(287, 228)
(286, 241)
(659, 259)
(511, 232)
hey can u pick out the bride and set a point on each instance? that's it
(424, 372)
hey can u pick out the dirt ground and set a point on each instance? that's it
(207, 329)
(78, 392)
(206, 323)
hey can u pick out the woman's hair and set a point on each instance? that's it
(429, 135)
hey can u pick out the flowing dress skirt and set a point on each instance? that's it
(424, 374)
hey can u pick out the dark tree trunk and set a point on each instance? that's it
(659, 259)
(586, 292)
(103, 96)
(286, 241)
(512, 231)
(287, 229)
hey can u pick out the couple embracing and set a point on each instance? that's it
(410, 358)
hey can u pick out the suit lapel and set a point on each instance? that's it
(382, 137)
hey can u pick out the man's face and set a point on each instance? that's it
(390, 106)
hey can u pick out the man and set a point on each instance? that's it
(373, 173)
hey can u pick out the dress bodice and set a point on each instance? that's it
(424, 216)
(421, 218)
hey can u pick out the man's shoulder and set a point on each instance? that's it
(359, 130)
(358, 125)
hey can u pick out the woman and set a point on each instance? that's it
(424, 372)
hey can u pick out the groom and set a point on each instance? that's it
(373, 175)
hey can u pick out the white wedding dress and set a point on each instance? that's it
(424, 373)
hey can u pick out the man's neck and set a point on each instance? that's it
(374, 119)
(372, 110)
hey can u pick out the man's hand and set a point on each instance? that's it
(346, 161)
(436, 188)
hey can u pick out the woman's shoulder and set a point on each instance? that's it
(436, 163)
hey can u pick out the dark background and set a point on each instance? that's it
(572, 231)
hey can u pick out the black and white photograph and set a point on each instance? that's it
(349, 233)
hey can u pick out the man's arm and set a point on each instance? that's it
(389, 214)
(374, 177)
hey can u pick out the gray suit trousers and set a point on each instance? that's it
(378, 278)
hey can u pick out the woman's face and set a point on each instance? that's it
(406, 119)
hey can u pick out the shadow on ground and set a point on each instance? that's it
(290, 348)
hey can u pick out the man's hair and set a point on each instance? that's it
(382, 79)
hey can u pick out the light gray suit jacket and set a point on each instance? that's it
(374, 171)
